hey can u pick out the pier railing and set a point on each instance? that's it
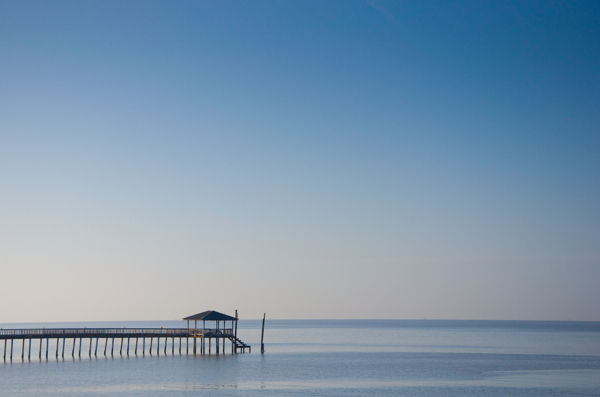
(112, 332)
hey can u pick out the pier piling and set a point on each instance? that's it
(262, 335)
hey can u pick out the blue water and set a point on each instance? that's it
(331, 358)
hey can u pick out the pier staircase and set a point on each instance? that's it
(239, 345)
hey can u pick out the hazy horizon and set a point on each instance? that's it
(276, 322)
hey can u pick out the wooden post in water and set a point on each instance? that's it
(262, 335)
(96, 349)
(63, 349)
(29, 351)
(236, 321)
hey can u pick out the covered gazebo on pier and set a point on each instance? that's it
(219, 331)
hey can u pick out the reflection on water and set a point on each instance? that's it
(549, 378)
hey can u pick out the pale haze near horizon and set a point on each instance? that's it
(349, 159)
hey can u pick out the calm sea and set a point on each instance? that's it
(332, 358)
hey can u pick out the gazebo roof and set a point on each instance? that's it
(210, 315)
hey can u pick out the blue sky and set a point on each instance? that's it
(349, 159)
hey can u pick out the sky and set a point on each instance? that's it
(303, 159)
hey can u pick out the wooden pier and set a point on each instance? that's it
(131, 337)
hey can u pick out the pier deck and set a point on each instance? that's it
(45, 333)
(177, 336)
